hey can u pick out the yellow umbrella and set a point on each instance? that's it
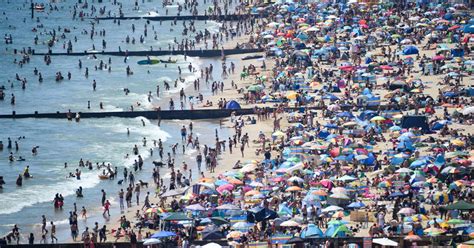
(377, 118)
(252, 192)
(291, 95)
(457, 142)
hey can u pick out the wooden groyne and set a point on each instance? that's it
(172, 114)
(230, 17)
(190, 53)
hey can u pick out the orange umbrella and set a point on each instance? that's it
(293, 189)
(320, 192)
(252, 192)
(234, 181)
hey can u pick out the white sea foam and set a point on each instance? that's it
(30, 195)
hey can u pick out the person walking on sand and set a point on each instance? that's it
(53, 233)
(137, 193)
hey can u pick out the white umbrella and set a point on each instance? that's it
(339, 196)
(331, 209)
(195, 207)
(295, 178)
(151, 242)
(256, 184)
(248, 168)
(211, 245)
(385, 242)
(403, 170)
(228, 207)
(289, 223)
(468, 110)
(346, 178)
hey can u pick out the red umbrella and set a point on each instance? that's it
(335, 152)
(326, 183)
(346, 67)
(386, 67)
(438, 57)
(454, 27)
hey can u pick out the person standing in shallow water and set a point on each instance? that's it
(103, 196)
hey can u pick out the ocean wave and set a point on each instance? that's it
(29, 195)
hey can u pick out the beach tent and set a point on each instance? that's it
(232, 105)
(409, 50)
(212, 232)
(311, 231)
(418, 121)
(258, 214)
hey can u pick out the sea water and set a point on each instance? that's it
(96, 140)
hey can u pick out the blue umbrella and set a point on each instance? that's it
(330, 125)
(163, 234)
(417, 163)
(356, 205)
(345, 114)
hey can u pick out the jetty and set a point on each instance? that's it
(176, 114)
(230, 17)
(191, 53)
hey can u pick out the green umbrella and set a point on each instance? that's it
(178, 216)
(456, 221)
(461, 205)
(341, 229)
(219, 221)
(254, 88)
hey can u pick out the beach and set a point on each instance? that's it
(362, 126)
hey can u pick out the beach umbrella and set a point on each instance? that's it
(235, 181)
(460, 205)
(228, 207)
(195, 207)
(289, 223)
(356, 205)
(331, 209)
(295, 179)
(293, 189)
(151, 241)
(377, 118)
(346, 178)
(455, 221)
(404, 170)
(319, 192)
(163, 234)
(234, 234)
(385, 242)
(226, 187)
(457, 142)
(361, 157)
(468, 110)
(340, 196)
(432, 231)
(407, 211)
(242, 225)
(252, 192)
(337, 222)
(412, 237)
(248, 168)
(256, 184)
